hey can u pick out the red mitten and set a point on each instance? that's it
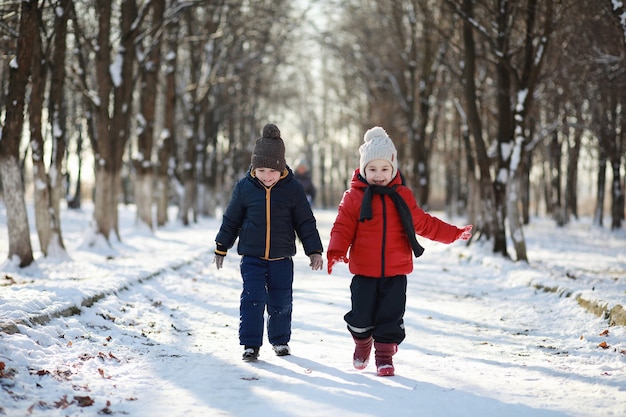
(465, 233)
(333, 258)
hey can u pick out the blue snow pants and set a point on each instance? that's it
(265, 284)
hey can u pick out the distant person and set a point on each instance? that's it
(266, 211)
(377, 220)
(303, 175)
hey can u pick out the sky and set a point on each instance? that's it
(156, 333)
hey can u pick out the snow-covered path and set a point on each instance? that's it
(169, 348)
(480, 342)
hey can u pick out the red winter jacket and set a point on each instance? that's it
(379, 247)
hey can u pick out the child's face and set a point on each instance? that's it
(267, 176)
(378, 172)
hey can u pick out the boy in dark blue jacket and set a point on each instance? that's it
(268, 207)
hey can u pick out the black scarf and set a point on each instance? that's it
(401, 206)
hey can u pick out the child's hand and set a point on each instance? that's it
(218, 261)
(317, 262)
(465, 233)
(334, 258)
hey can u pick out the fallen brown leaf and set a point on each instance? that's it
(62, 403)
(85, 401)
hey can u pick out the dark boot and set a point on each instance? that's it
(384, 362)
(362, 352)
(250, 353)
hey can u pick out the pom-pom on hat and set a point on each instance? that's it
(269, 150)
(378, 145)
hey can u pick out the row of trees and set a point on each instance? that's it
(151, 84)
(502, 88)
(171, 94)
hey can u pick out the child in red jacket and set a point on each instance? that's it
(377, 221)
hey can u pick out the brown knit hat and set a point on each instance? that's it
(269, 150)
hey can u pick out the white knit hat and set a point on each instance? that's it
(378, 145)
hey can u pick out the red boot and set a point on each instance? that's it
(362, 352)
(384, 363)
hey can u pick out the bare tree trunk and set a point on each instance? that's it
(604, 119)
(617, 193)
(200, 159)
(554, 185)
(10, 173)
(149, 81)
(615, 158)
(517, 231)
(505, 147)
(110, 133)
(44, 213)
(122, 104)
(530, 69)
(189, 178)
(58, 116)
(598, 216)
(571, 182)
(17, 220)
(473, 189)
(525, 185)
(49, 185)
(514, 183)
(166, 155)
(75, 201)
(487, 224)
(209, 177)
(193, 132)
(101, 141)
(96, 120)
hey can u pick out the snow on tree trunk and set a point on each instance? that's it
(10, 173)
(161, 200)
(17, 220)
(42, 186)
(514, 217)
(46, 213)
(144, 197)
(187, 203)
(57, 119)
(42, 204)
(102, 202)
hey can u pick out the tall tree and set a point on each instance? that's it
(166, 150)
(538, 28)
(10, 172)
(48, 190)
(113, 110)
(474, 120)
(149, 74)
(57, 113)
(517, 51)
(47, 225)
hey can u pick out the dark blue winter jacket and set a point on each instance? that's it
(266, 220)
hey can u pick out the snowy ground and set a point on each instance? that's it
(481, 339)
